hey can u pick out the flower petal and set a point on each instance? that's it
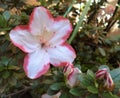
(21, 38)
(73, 77)
(61, 55)
(36, 64)
(39, 20)
(46, 96)
(53, 96)
(62, 29)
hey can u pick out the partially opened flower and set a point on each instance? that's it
(71, 74)
(105, 75)
(43, 39)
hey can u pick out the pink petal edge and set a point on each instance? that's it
(26, 60)
(66, 63)
(62, 64)
(21, 27)
(44, 9)
(44, 70)
(70, 48)
(69, 31)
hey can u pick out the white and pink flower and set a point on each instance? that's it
(44, 41)
(71, 74)
(105, 75)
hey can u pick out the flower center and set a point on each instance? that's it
(45, 37)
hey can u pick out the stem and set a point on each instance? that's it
(79, 22)
(69, 8)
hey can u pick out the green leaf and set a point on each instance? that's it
(117, 48)
(6, 74)
(57, 86)
(51, 92)
(78, 66)
(115, 74)
(6, 15)
(92, 89)
(102, 51)
(2, 68)
(59, 77)
(109, 95)
(1, 20)
(117, 84)
(12, 81)
(43, 2)
(104, 66)
(86, 80)
(91, 74)
(1, 80)
(77, 91)
(5, 60)
(13, 67)
(64, 95)
(92, 96)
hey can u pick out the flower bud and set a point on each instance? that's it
(109, 84)
(72, 75)
(100, 74)
(105, 75)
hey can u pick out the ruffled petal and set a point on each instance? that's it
(21, 38)
(40, 19)
(36, 64)
(62, 29)
(61, 55)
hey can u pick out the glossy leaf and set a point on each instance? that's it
(57, 86)
(115, 74)
(92, 89)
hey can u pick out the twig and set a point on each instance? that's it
(20, 91)
(94, 12)
(112, 20)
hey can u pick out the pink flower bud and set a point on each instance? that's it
(105, 75)
(100, 74)
(109, 84)
(72, 75)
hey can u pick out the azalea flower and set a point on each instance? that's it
(71, 74)
(105, 75)
(44, 41)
